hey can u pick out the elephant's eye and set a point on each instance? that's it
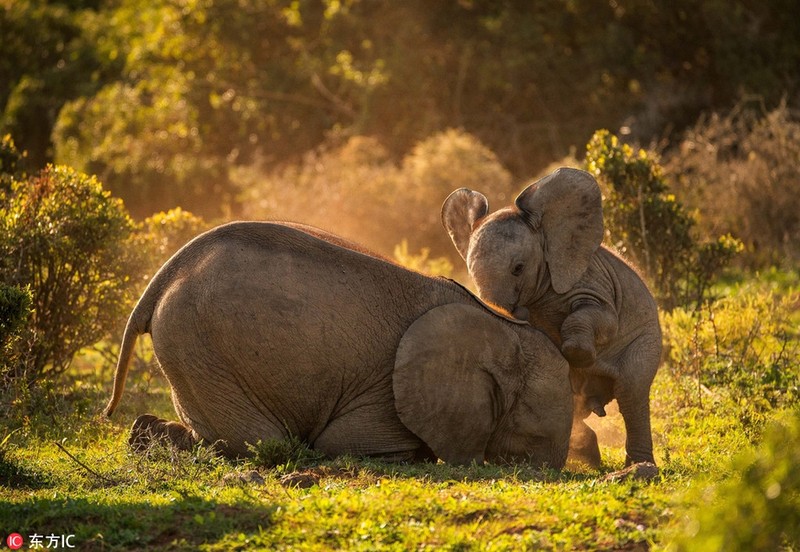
(518, 269)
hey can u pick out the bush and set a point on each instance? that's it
(745, 345)
(65, 237)
(646, 222)
(432, 170)
(15, 307)
(740, 171)
(345, 189)
(356, 190)
(758, 508)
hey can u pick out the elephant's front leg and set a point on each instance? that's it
(635, 412)
(632, 391)
(590, 324)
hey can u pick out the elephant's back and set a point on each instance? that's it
(299, 325)
(270, 287)
(286, 274)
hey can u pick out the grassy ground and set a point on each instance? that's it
(66, 470)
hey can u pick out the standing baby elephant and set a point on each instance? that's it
(542, 260)
(268, 330)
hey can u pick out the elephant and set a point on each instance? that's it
(268, 330)
(542, 260)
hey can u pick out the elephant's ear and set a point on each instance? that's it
(567, 205)
(453, 377)
(460, 211)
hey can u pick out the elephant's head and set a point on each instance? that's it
(476, 387)
(547, 238)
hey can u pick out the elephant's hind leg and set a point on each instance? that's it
(583, 445)
(148, 429)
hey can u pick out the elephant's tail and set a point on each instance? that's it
(138, 323)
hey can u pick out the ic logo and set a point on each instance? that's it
(15, 541)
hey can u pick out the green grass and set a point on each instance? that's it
(65, 469)
(112, 499)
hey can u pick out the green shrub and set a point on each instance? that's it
(10, 161)
(648, 224)
(758, 508)
(15, 307)
(65, 237)
(745, 345)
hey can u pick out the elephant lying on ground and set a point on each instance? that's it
(268, 330)
(542, 260)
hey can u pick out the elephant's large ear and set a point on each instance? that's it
(460, 211)
(453, 378)
(566, 204)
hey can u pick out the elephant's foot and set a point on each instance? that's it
(634, 459)
(578, 353)
(644, 471)
(148, 429)
(593, 392)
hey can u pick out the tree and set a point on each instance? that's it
(200, 91)
(163, 98)
(47, 57)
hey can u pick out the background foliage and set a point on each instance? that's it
(360, 191)
(757, 508)
(161, 99)
(361, 116)
(740, 171)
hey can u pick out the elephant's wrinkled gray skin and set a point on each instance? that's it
(542, 260)
(266, 330)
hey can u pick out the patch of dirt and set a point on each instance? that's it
(309, 477)
(251, 477)
(302, 480)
